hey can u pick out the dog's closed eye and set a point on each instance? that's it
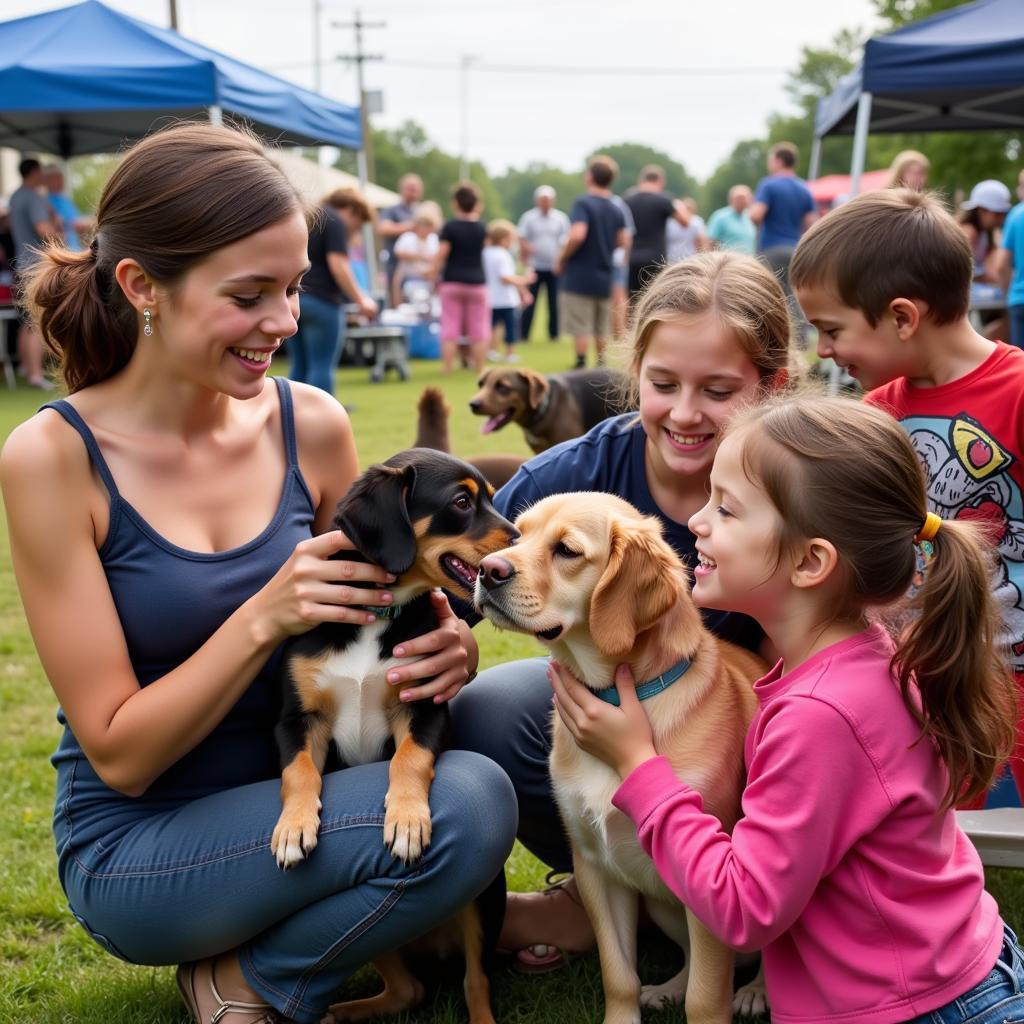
(562, 550)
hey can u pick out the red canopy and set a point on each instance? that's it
(830, 187)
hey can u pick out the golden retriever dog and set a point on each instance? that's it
(595, 581)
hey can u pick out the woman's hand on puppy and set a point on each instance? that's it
(310, 589)
(619, 736)
(447, 657)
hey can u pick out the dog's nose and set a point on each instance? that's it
(474, 405)
(495, 572)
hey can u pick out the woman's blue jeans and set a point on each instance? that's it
(505, 714)
(199, 879)
(314, 349)
(999, 999)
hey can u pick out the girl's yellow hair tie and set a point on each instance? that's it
(929, 528)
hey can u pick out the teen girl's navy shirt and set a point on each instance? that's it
(610, 458)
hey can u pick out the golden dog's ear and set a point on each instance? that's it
(639, 584)
(538, 385)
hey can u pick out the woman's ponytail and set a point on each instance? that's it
(951, 651)
(85, 323)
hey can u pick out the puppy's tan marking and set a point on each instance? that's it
(401, 992)
(407, 821)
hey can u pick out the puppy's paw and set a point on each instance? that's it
(668, 993)
(406, 827)
(295, 835)
(751, 1000)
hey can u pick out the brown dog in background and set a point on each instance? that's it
(595, 581)
(550, 408)
(432, 432)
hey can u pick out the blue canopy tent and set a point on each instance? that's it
(961, 70)
(87, 79)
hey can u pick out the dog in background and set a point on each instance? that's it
(550, 408)
(427, 518)
(432, 432)
(595, 581)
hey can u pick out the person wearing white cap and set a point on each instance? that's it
(542, 233)
(981, 217)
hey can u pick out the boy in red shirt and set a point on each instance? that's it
(886, 281)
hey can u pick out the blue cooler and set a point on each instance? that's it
(424, 340)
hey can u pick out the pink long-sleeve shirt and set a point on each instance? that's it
(868, 904)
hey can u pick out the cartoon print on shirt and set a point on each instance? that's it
(969, 478)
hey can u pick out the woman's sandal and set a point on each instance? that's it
(259, 1013)
(543, 957)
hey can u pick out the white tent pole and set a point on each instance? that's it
(860, 142)
(812, 170)
(216, 114)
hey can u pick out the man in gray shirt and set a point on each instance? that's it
(32, 225)
(542, 233)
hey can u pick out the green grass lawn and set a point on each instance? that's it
(52, 973)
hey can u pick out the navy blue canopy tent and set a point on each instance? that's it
(87, 79)
(961, 70)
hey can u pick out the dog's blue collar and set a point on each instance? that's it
(649, 688)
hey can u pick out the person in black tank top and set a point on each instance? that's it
(170, 524)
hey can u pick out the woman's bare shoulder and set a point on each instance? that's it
(43, 449)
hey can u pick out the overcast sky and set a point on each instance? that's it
(549, 79)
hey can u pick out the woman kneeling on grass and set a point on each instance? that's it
(170, 526)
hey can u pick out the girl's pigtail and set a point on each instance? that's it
(952, 651)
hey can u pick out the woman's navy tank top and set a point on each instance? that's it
(170, 601)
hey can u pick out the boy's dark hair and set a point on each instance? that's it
(885, 245)
(466, 196)
(652, 172)
(786, 153)
(602, 170)
(28, 166)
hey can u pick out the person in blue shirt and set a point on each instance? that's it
(72, 220)
(1010, 266)
(710, 334)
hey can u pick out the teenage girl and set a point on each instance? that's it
(711, 333)
(847, 868)
(170, 525)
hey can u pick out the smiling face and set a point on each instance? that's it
(739, 565)
(873, 355)
(220, 325)
(693, 376)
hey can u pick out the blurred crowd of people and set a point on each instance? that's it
(481, 281)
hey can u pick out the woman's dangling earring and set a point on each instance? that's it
(147, 330)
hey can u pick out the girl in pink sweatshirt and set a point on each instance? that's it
(848, 868)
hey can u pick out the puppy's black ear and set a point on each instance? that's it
(374, 515)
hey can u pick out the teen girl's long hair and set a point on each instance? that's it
(847, 472)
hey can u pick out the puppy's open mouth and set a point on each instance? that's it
(462, 572)
(549, 634)
(496, 422)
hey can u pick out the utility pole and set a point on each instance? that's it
(174, 14)
(317, 56)
(364, 157)
(366, 169)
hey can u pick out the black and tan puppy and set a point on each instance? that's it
(427, 518)
(550, 408)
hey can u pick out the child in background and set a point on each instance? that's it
(848, 869)
(465, 313)
(886, 280)
(507, 291)
(415, 254)
(711, 334)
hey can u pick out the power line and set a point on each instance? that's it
(558, 69)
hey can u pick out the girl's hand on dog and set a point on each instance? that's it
(310, 589)
(619, 736)
(445, 654)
